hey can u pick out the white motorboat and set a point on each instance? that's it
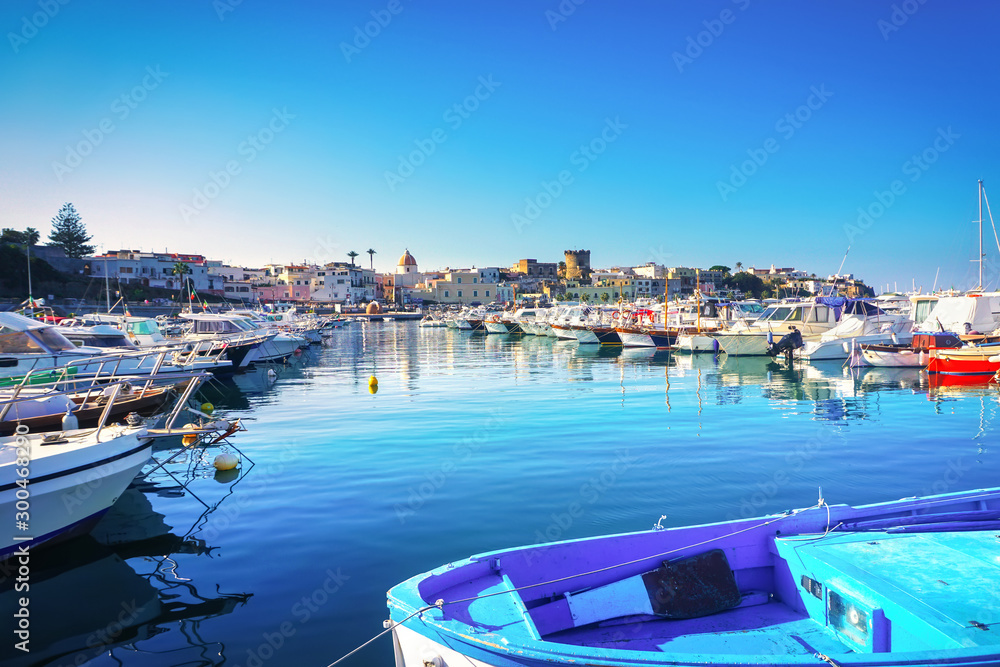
(73, 477)
(862, 323)
(810, 318)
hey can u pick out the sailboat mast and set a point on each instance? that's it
(980, 233)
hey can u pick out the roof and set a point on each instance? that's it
(407, 259)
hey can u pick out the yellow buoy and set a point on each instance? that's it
(372, 380)
(189, 439)
(207, 408)
(373, 389)
(226, 461)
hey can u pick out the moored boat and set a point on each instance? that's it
(910, 582)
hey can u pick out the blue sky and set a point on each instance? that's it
(480, 133)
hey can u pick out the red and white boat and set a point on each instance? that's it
(983, 360)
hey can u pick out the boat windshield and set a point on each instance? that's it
(52, 339)
(243, 324)
(144, 328)
(775, 314)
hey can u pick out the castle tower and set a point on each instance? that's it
(577, 264)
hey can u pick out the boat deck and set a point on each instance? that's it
(940, 589)
(768, 629)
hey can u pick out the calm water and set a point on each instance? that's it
(472, 443)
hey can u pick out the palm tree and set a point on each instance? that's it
(181, 269)
(352, 255)
(739, 267)
(371, 257)
(605, 297)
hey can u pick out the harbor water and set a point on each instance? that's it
(471, 443)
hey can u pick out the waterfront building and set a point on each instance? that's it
(152, 269)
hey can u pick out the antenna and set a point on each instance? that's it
(935, 279)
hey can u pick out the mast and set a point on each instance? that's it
(981, 233)
(31, 299)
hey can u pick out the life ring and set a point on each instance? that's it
(614, 315)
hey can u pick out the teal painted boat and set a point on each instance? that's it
(913, 582)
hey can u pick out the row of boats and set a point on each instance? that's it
(84, 402)
(953, 334)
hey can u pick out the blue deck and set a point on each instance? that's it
(937, 590)
(769, 629)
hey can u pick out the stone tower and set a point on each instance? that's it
(577, 265)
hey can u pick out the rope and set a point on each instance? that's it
(389, 629)
(826, 658)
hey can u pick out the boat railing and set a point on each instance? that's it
(97, 391)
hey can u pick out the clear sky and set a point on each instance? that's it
(478, 133)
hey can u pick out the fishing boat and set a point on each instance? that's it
(916, 354)
(910, 582)
(973, 360)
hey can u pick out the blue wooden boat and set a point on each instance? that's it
(910, 582)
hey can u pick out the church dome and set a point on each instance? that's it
(407, 259)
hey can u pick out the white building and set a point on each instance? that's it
(153, 270)
(340, 282)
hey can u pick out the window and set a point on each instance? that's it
(475, 280)
(446, 294)
(460, 294)
(487, 292)
(460, 282)
(475, 292)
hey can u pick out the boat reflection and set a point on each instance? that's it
(120, 585)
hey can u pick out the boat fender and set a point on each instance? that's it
(207, 408)
(432, 661)
(715, 345)
(226, 461)
(69, 420)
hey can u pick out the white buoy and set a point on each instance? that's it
(226, 461)
(69, 420)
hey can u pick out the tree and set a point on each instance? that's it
(739, 267)
(720, 267)
(69, 233)
(352, 255)
(181, 269)
(371, 257)
(29, 236)
(605, 297)
(562, 270)
(746, 283)
(585, 297)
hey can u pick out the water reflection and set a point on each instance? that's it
(121, 586)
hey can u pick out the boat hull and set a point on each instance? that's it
(965, 361)
(607, 335)
(585, 335)
(496, 327)
(71, 490)
(635, 337)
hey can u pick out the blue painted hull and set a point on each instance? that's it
(912, 582)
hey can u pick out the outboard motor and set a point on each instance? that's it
(789, 342)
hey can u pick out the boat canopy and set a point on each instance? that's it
(953, 313)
